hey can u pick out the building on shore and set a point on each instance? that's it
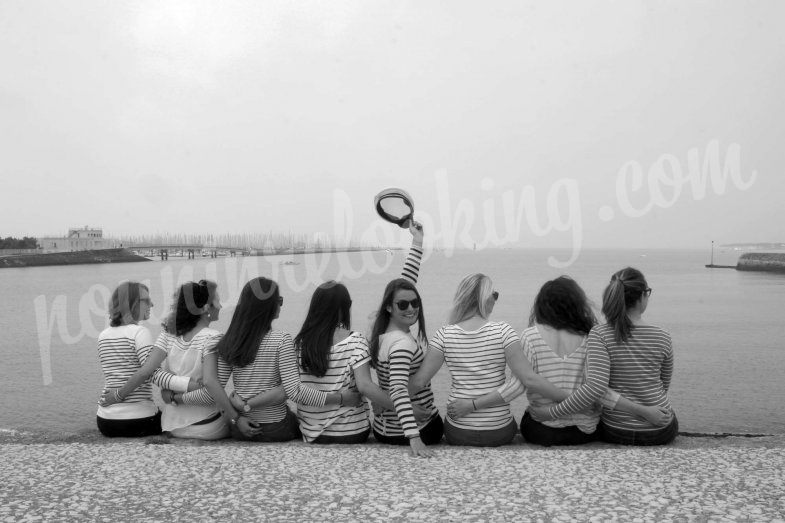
(78, 239)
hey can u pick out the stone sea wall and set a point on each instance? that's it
(762, 261)
(71, 258)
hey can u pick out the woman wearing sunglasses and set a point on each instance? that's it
(396, 355)
(263, 367)
(632, 357)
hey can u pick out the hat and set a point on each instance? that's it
(394, 205)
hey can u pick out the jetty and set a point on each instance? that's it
(762, 261)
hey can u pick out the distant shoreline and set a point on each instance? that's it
(70, 258)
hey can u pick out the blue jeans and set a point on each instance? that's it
(479, 438)
(661, 436)
(535, 432)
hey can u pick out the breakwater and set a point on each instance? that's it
(71, 258)
(762, 261)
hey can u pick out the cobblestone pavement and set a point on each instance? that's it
(157, 479)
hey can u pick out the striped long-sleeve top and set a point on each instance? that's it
(122, 351)
(345, 356)
(400, 356)
(477, 363)
(639, 369)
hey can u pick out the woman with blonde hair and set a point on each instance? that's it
(477, 351)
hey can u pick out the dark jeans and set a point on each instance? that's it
(535, 432)
(430, 434)
(344, 440)
(130, 428)
(661, 436)
(285, 430)
(479, 438)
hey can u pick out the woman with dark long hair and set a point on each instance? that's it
(262, 364)
(635, 359)
(332, 357)
(397, 354)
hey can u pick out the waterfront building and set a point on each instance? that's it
(78, 239)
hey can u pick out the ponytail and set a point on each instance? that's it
(624, 290)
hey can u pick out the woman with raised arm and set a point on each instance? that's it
(633, 358)
(127, 410)
(475, 349)
(555, 346)
(333, 358)
(397, 355)
(262, 364)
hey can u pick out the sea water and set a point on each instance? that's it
(727, 326)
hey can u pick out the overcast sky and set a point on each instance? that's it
(216, 117)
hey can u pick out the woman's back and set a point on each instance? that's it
(640, 369)
(560, 357)
(332, 420)
(476, 360)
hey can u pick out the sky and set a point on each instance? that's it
(511, 124)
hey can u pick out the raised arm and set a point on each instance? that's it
(411, 266)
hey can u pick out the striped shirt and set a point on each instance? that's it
(400, 356)
(122, 351)
(477, 363)
(275, 364)
(567, 372)
(332, 420)
(640, 369)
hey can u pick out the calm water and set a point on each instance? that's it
(727, 326)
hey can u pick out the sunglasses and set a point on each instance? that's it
(404, 304)
(495, 295)
(280, 300)
(647, 292)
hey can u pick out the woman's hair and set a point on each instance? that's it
(383, 315)
(124, 308)
(189, 302)
(251, 321)
(472, 297)
(625, 290)
(562, 304)
(330, 307)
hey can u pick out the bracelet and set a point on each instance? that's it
(474, 405)
(117, 397)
